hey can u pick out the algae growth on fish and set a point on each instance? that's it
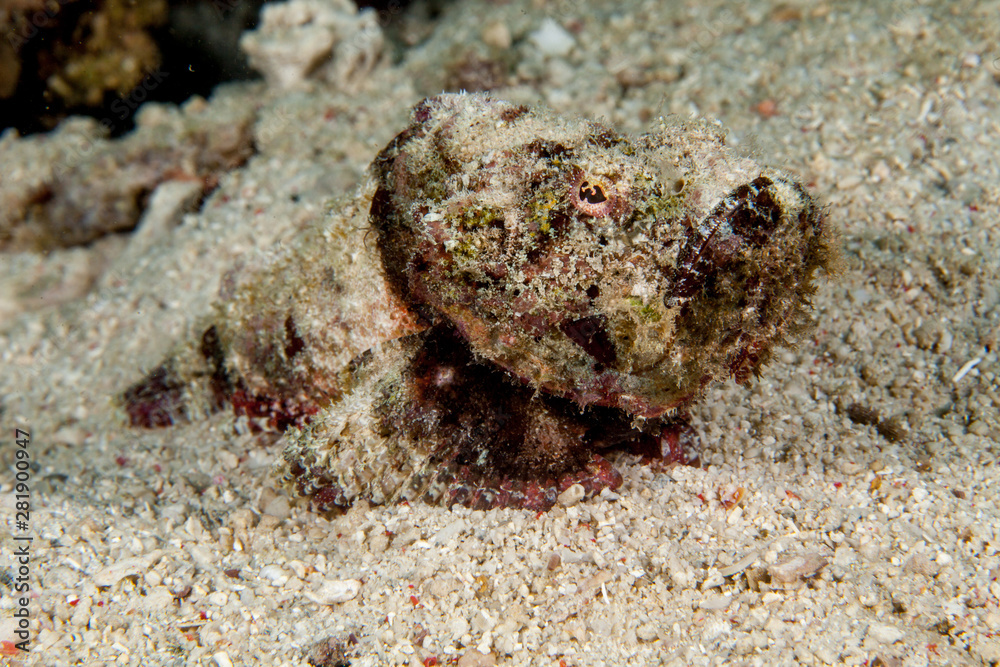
(512, 295)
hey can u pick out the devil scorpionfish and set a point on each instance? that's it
(511, 296)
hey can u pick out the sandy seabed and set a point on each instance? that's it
(853, 543)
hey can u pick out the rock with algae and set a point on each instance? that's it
(512, 295)
(66, 56)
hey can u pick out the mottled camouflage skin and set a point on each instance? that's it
(618, 272)
(540, 290)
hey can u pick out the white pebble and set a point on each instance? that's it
(572, 495)
(227, 459)
(279, 508)
(799, 567)
(715, 602)
(335, 591)
(127, 567)
(964, 370)
(885, 634)
(497, 35)
(275, 574)
(551, 39)
(458, 626)
(202, 556)
(971, 60)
